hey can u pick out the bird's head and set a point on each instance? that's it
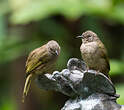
(88, 36)
(53, 47)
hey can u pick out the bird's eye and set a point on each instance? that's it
(51, 49)
(88, 36)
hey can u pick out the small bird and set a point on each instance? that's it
(94, 53)
(40, 61)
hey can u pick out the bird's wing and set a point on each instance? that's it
(35, 59)
(103, 53)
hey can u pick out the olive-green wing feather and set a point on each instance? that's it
(36, 58)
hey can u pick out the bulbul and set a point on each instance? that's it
(40, 61)
(94, 53)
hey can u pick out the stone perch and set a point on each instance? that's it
(87, 89)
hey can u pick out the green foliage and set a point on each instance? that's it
(13, 47)
(7, 103)
(4, 7)
(39, 9)
(120, 91)
(117, 67)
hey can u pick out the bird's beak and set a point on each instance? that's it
(57, 53)
(81, 37)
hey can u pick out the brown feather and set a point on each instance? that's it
(94, 53)
(40, 61)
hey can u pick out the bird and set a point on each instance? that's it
(40, 61)
(94, 53)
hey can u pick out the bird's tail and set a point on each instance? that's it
(27, 86)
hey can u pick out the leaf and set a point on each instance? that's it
(120, 91)
(71, 9)
(117, 67)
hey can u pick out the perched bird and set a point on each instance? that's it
(94, 53)
(40, 61)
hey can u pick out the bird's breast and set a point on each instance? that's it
(89, 53)
(90, 48)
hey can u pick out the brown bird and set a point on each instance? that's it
(40, 61)
(94, 53)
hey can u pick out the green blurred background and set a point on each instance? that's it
(28, 24)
